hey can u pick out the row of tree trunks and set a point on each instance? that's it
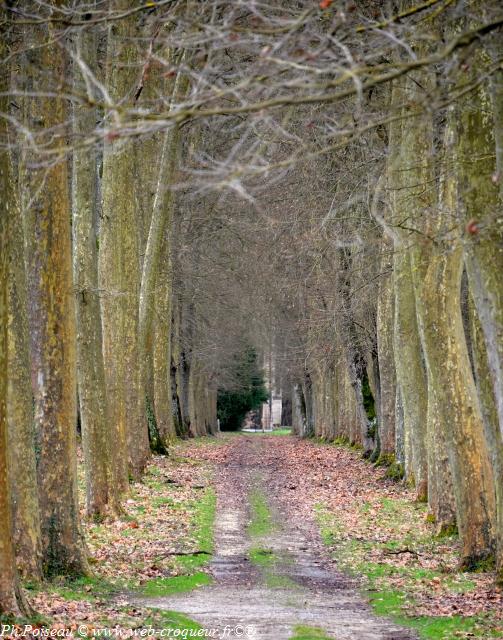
(428, 306)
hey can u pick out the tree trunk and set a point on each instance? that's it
(480, 197)
(162, 348)
(96, 438)
(438, 280)
(490, 415)
(162, 213)
(20, 418)
(385, 354)
(298, 411)
(12, 602)
(410, 373)
(119, 268)
(50, 286)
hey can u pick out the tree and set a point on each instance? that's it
(11, 598)
(119, 265)
(46, 210)
(20, 418)
(247, 393)
(102, 493)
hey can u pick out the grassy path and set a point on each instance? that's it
(272, 575)
(276, 538)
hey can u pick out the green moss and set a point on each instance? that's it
(369, 403)
(388, 603)
(395, 471)
(202, 513)
(306, 632)
(156, 443)
(192, 562)
(203, 520)
(447, 531)
(479, 565)
(160, 587)
(385, 460)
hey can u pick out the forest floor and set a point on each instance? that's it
(264, 536)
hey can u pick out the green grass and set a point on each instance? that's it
(286, 431)
(162, 501)
(202, 520)
(84, 588)
(269, 562)
(388, 601)
(305, 632)
(261, 520)
(275, 581)
(160, 587)
(262, 557)
(174, 622)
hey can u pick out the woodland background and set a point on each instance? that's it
(183, 181)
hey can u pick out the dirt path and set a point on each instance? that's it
(271, 582)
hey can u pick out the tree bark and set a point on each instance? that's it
(160, 222)
(96, 438)
(49, 269)
(480, 164)
(119, 267)
(450, 375)
(410, 374)
(489, 412)
(387, 376)
(11, 598)
(162, 347)
(20, 418)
